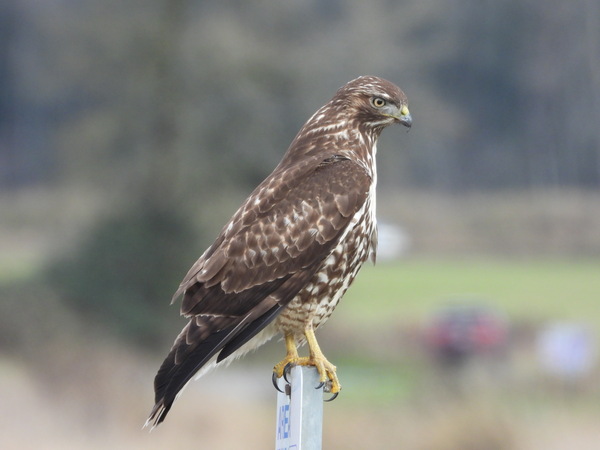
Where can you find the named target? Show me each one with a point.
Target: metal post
(299, 411)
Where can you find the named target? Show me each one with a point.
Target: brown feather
(299, 239)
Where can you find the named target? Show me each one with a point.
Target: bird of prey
(287, 256)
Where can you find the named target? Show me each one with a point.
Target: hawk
(287, 256)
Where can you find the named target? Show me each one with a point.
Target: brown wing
(269, 250)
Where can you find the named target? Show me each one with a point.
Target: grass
(531, 290)
(383, 401)
(16, 269)
(403, 295)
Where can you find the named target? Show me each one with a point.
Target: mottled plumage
(286, 257)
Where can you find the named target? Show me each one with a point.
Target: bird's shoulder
(289, 223)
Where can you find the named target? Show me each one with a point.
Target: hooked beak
(404, 117)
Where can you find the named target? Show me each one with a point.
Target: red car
(458, 332)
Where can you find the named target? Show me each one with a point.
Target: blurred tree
(481, 77)
(126, 270)
(131, 261)
(24, 158)
(230, 70)
(562, 94)
(151, 103)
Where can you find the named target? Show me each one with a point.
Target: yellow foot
(282, 367)
(327, 371)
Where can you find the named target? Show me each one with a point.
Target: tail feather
(187, 357)
(183, 361)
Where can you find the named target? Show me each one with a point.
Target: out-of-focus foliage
(504, 94)
(131, 130)
(168, 109)
(125, 272)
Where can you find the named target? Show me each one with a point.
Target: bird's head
(375, 102)
(351, 121)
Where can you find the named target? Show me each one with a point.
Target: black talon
(321, 384)
(286, 370)
(333, 397)
(274, 380)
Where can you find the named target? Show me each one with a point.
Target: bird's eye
(378, 102)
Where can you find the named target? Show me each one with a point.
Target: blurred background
(130, 132)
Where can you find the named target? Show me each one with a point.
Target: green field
(392, 391)
(524, 289)
(410, 290)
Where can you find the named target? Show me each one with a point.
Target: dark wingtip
(158, 414)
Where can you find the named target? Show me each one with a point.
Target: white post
(299, 411)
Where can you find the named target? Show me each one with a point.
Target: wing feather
(264, 256)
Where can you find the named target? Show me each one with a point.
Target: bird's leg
(317, 358)
(291, 356)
